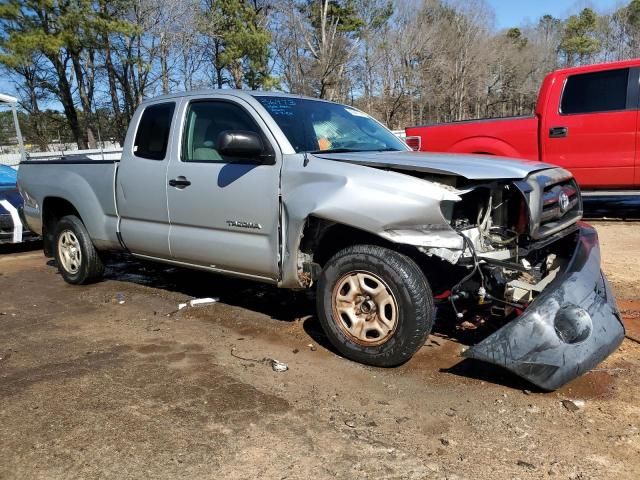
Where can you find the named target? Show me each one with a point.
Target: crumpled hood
(473, 167)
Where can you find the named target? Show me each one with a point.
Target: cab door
(141, 184)
(224, 212)
(593, 132)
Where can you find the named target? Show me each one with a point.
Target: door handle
(558, 132)
(180, 182)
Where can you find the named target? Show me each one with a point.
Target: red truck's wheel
(77, 258)
(375, 305)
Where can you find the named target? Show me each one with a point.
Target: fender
(486, 145)
(398, 207)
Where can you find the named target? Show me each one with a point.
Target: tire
(77, 259)
(399, 313)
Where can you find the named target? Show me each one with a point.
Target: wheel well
(53, 209)
(322, 239)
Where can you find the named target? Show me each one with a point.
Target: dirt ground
(94, 388)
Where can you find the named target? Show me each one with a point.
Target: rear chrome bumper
(568, 329)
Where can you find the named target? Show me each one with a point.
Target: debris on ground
(522, 463)
(573, 405)
(198, 301)
(350, 423)
(246, 359)
(276, 365)
(203, 301)
(118, 299)
(312, 347)
(279, 366)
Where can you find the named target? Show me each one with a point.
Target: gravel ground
(94, 388)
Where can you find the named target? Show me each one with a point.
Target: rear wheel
(77, 259)
(375, 305)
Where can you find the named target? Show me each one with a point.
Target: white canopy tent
(12, 102)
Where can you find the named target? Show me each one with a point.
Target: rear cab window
(152, 137)
(595, 92)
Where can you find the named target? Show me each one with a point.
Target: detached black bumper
(568, 329)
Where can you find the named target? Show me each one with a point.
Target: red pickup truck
(586, 120)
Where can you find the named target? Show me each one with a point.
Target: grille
(557, 201)
(554, 201)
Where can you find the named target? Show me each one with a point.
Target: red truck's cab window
(595, 92)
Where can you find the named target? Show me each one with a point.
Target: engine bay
(502, 268)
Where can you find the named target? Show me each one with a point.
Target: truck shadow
(290, 306)
(279, 304)
(614, 207)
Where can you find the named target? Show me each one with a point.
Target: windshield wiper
(336, 150)
(354, 150)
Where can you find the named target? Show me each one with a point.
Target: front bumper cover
(568, 329)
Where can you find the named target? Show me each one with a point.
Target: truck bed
(511, 136)
(82, 181)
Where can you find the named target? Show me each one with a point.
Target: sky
(512, 13)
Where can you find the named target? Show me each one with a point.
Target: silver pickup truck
(300, 192)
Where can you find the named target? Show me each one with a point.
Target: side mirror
(242, 144)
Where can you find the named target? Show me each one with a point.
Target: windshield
(317, 126)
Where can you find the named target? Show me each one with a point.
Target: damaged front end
(571, 325)
(528, 261)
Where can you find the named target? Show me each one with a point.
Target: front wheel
(375, 305)
(77, 258)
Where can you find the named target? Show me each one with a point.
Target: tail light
(414, 143)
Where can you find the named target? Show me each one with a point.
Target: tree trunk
(113, 92)
(85, 100)
(30, 77)
(164, 64)
(66, 98)
(237, 74)
(218, 66)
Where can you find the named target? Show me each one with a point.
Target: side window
(206, 120)
(595, 92)
(152, 136)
